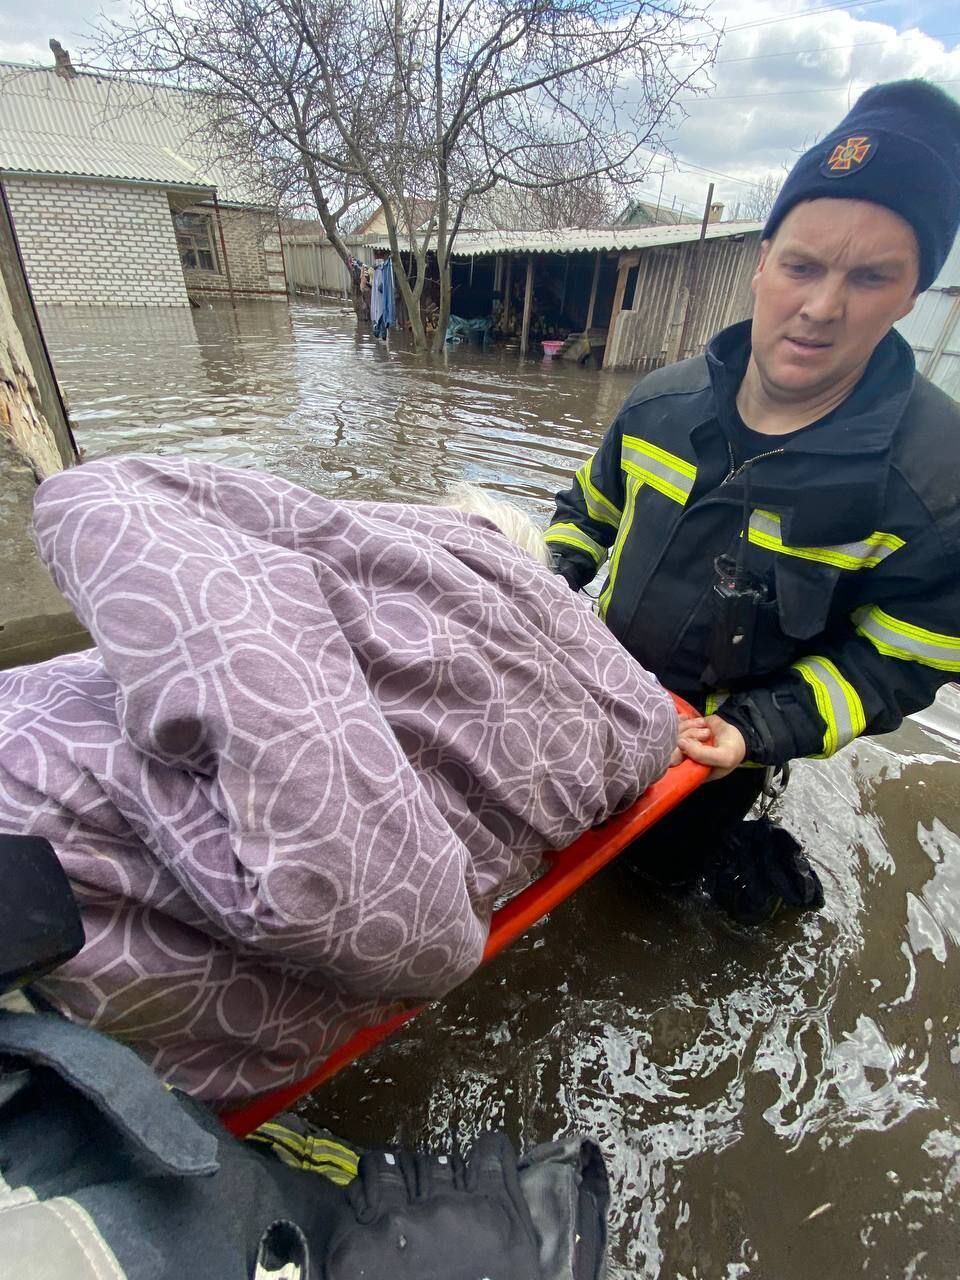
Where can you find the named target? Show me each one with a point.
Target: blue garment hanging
(383, 304)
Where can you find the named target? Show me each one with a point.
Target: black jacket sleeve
(884, 662)
(587, 516)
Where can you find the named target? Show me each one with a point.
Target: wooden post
(498, 273)
(283, 258)
(694, 276)
(563, 287)
(622, 273)
(508, 285)
(223, 247)
(527, 307)
(593, 291)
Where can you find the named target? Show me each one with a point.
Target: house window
(195, 241)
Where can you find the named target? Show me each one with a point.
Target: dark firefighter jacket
(854, 526)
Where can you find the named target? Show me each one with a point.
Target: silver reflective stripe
(55, 1238)
(837, 702)
(765, 531)
(10, 1197)
(672, 476)
(896, 639)
(570, 535)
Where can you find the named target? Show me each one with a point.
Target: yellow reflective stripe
(672, 476)
(571, 536)
(313, 1146)
(308, 1151)
(633, 488)
(866, 554)
(896, 639)
(837, 701)
(599, 507)
(715, 700)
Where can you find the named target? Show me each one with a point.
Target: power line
(782, 93)
(829, 48)
(714, 173)
(807, 13)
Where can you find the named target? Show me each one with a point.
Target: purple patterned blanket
(315, 741)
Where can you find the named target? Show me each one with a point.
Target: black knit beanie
(899, 146)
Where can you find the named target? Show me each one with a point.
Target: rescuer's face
(834, 278)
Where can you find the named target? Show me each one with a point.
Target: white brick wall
(97, 242)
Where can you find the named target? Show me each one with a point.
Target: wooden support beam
(563, 288)
(693, 280)
(593, 290)
(615, 310)
(527, 307)
(508, 285)
(621, 289)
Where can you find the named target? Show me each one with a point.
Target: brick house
(112, 204)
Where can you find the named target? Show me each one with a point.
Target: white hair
(512, 522)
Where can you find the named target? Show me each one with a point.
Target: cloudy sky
(778, 83)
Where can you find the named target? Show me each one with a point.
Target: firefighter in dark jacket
(781, 516)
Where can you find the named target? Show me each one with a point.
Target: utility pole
(693, 275)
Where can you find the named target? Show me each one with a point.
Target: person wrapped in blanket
(107, 1175)
(315, 741)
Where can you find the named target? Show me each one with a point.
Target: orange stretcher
(566, 872)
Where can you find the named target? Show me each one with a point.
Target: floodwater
(779, 1103)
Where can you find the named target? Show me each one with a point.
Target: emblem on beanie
(847, 157)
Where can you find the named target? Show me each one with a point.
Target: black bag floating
(761, 869)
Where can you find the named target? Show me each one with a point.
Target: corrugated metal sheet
(933, 327)
(949, 277)
(98, 127)
(314, 264)
(478, 244)
(923, 326)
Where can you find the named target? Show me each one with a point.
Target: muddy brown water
(781, 1103)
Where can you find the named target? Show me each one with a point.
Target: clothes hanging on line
(383, 306)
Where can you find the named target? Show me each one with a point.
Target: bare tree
(427, 103)
(759, 199)
(574, 202)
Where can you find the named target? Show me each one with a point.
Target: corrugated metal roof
(586, 240)
(100, 127)
(923, 325)
(949, 277)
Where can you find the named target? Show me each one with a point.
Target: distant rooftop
(645, 213)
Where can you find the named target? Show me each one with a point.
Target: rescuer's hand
(712, 741)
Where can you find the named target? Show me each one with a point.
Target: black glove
(430, 1217)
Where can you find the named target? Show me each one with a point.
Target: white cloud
(763, 110)
(25, 34)
(833, 57)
